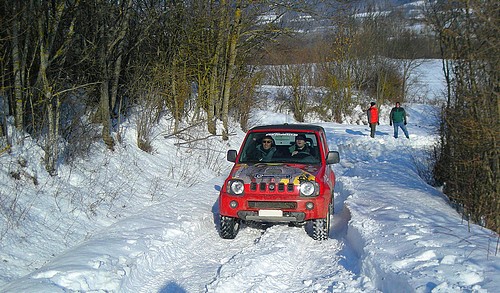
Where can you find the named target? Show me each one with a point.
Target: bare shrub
(243, 99)
(197, 149)
(79, 134)
(468, 158)
(146, 119)
(13, 210)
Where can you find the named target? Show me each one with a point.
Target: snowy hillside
(129, 221)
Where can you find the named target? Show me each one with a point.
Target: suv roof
(286, 127)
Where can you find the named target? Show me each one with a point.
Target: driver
(267, 150)
(300, 146)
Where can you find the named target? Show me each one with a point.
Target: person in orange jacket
(372, 113)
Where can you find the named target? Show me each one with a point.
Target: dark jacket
(264, 155)
(397, 115)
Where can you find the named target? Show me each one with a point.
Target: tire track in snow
(186, 258)
(190, 256)
(367, 266)
(284, 259)
(353, 249)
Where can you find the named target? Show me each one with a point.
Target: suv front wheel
(229, 227)
(321, 227)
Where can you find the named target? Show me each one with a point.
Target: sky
(130, 221)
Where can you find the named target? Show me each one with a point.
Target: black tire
(228, 227)
(331, 206)
(321, 227)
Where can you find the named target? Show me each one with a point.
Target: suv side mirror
(231, 155)
(333, 157)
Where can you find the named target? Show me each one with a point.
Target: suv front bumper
(294, 209)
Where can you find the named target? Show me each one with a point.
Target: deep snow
(128, 221)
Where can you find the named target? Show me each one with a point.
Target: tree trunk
(175, 95)
(51, 149)
(104, 105)
(214, 87)
(120, 51)
(4, 107)
(212, 96)
(235, 34)
(16, 63)
(105, 115)
(51, 142)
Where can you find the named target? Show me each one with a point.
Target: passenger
(300, 146)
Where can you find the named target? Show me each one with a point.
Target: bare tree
(468, 157)
(49, 52)
(232, 42)
(16, 63)
(112, 39)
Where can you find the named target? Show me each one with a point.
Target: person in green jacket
(397, 117)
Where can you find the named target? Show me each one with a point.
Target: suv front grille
(263, 186)
(272, 205)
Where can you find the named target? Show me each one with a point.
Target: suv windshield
(281, 147)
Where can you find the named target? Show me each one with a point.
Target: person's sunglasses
(267, 141)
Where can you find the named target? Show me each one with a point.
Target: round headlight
(237, 187)
(307, 188)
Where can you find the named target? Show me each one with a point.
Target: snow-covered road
(391, 231)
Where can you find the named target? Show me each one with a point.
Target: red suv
(281, 174)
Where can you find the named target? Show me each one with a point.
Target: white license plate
(271, 213)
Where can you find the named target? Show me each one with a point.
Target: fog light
(309, 206)
(233, 204)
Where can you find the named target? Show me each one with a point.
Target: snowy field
(128, 221)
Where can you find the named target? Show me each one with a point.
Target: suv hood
(279, 173)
